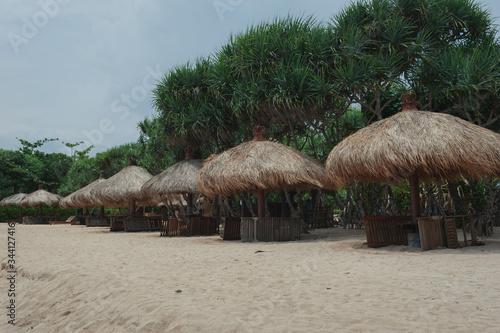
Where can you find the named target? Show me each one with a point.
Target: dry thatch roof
(261, 165)
(13, 200)
(67, 202)
(118, 189)
(84, 198)
(434, 145)
(180, 178)
(40, 197)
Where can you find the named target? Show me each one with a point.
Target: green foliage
(192, 108)
(12, 213)
(85, 170)
(29, 148)
(276, 66)
(464, 80)
(28, 167)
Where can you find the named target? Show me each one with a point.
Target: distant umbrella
(14, 200)
(175, 181)
(415, 145)
(40, 198)
(122, 188)
(67, 202)
(84, 198)
(258, 166)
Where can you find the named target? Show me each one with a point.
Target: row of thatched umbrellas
(38, 198)
(414, 145)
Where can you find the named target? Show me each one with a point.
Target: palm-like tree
(465, 80)
(274, 65)
(192, 110)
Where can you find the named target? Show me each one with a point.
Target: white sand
(78, 279)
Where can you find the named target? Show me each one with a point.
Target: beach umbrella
(67, 202)
(82, 198)
(123, 188)
(40, 198)
(175, 181)
(14, 200)
(258, 166)
(415, 145)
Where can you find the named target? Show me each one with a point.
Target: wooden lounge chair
(68, 221)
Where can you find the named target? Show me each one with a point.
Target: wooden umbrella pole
(414, 197)
(260, 135)
(131, 206)
(41, 205)
(261, 203)
(190, 204)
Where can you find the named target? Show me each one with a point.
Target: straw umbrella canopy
(415, 145)
(40, 198)
(82, 197)
(175, 181)
(123, 188)
(258, 166)
(67, 202)
(14, 200)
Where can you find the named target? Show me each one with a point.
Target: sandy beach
(78, 279)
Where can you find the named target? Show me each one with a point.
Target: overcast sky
(84, 70)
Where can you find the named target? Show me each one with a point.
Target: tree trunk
(486, 220)
(455, 197)
(433, 207)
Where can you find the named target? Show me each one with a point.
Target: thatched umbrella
(40, 198)
(14, 200)
(123, 188)
(67, 202)
(82, 198)
(415, 145)
(175, 181)
(258, 166)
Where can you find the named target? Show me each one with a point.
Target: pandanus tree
(192, 111)
(375, 43)
(465, 80)
(277, 67)
(382, 46)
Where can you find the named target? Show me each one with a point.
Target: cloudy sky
(84, 70)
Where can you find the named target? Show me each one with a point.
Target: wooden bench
(231, 228)
(189, 226)
(91, 221)
(269, 229)
(143, 223)
(432, 232)
(320, 218)
(387, 230)
(117, 223)
(36, 220)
